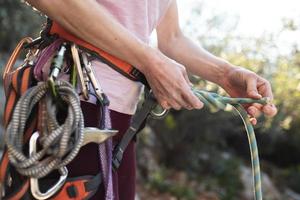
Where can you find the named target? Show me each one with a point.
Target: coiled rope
(218, 102)
(59, 143)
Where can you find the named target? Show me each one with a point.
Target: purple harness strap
(105, 154)
(44, 57)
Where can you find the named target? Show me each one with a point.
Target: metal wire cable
(59, 143)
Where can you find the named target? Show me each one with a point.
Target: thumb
(252, 88)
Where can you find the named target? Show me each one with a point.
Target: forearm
(91, 22)
(197, 60)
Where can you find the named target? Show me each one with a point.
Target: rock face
(270, 192)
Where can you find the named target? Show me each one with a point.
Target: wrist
(149, 59)
(225, 69)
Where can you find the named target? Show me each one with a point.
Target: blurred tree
(17, 20)
(201, 142)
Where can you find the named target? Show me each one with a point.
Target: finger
(270, 110)
(186, 77)
(253, 111)
(189, 107)
(164, 104)
(192, 100)
(252, 88)
(265, 89)
(186, 97)
(174, 105)
(253, 121)
(176, 100)
(258, 107)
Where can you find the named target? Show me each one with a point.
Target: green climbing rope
(217, 102)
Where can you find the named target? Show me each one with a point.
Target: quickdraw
(21, 88)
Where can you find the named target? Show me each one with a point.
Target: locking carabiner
(56, 67)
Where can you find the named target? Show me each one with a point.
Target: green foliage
(159, 181)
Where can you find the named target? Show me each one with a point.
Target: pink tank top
(140, 17)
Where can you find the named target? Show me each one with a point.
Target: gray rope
(59, 143)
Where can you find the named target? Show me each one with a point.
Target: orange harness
(18, 81)
(117, 64)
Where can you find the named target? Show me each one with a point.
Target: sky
(255, 17)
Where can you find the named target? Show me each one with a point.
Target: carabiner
(159, 115)
(56, 67)
(93, 80)
(77, 63)
(34, 183)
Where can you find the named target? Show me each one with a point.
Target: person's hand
(240, 82)
(170, 84)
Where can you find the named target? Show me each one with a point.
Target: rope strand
(217, 102)
(59, 143)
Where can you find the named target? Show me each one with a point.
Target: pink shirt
(140, 17)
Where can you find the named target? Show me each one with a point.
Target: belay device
(44, 117)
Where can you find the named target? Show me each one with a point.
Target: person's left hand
(240, 82)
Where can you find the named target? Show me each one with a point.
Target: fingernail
(256, 95)
(199, 105)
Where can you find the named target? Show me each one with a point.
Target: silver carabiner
(93, 80)
(34, 183)
(159, 115)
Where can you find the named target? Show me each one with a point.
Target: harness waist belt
(119, 65)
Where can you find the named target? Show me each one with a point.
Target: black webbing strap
(138, 119)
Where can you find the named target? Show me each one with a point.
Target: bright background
(204, 155)
(254, 18)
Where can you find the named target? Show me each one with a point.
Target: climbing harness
(39, 142)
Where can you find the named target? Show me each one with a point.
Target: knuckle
(177, 107)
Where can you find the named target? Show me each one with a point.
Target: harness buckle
(34, 183)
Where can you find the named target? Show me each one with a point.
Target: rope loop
(60, 139)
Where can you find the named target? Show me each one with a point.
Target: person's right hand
(170, 83)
